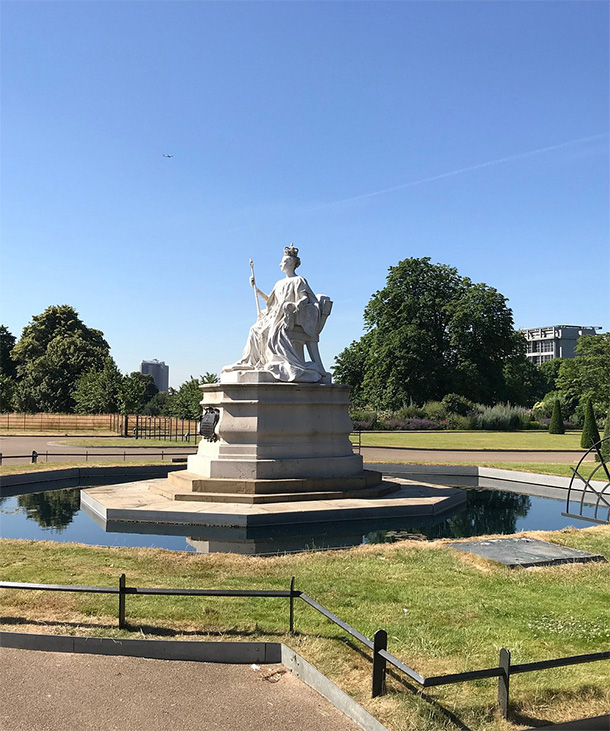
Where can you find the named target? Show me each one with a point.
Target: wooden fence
(58, 422)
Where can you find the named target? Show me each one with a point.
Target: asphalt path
(55, 691)
(48, 448)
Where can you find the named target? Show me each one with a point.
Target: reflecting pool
(56, 515)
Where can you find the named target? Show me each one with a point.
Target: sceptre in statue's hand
(254, 287)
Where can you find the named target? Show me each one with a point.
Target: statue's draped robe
(269, 347)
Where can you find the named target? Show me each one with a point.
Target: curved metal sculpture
(590, 493)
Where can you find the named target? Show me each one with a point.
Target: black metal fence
(378, 646)
(35, 457)
(141, 426)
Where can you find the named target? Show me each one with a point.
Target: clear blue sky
(475, 133)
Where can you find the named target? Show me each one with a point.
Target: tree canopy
(430, 332)
(587, 375)
(54, 350)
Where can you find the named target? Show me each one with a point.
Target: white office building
(555, 341)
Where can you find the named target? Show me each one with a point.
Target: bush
(456, 404)
(389, 422)
(410, 412)
(420, 425)
(590, 432)
(435, 411)
(364, 419)
(455, 421)
(556, 425)
(501, 417)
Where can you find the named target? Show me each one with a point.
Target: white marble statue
(292, 321)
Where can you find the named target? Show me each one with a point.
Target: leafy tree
(159, 404)
(587, 375)
(209, 377)
(350, 368)
(135, 392)
(525, 383)
(7, 394)
(8, 367)
(550, 372)
(54, 350)
(97, 391)
(556, 424)
(590, 432)
(187, 399)
(8, 370)
(430, 332)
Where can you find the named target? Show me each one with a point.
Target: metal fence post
(0, 458)
(504, 681)
(122, 601)
(380, 642)
(34, 457)
(292, 605)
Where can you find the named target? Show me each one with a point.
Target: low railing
(35, 457)
(378, 646)
(589, 492)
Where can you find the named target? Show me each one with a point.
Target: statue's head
(292, 253)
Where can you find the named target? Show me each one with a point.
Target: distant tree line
(59, 365)
(433, 336)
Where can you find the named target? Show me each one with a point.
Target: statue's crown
(291, 250)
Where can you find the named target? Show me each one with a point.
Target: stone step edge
(287, 497)
(368, 478)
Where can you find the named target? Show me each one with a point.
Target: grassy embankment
(444, 611)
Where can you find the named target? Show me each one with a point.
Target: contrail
(479, 166)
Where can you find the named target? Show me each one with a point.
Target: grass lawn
(444, 612)
(130, 443)
(17, 469)
(537, 440)
(546, 468)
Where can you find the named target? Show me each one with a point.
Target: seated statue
(291, 322)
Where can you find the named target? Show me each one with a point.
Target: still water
(56, 515)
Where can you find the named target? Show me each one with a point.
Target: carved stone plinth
(276, 439)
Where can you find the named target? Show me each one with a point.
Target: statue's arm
(259, 292)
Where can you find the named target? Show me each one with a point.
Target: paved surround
(135, 502)
(195, 653)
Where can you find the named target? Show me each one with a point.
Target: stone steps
(191, 482)
(173, 492)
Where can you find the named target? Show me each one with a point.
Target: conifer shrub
(606, 445)
(590, 432)
(556, 425)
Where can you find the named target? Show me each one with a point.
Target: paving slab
(91, 692)
(524, 552)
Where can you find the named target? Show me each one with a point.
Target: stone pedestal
(276, 439)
